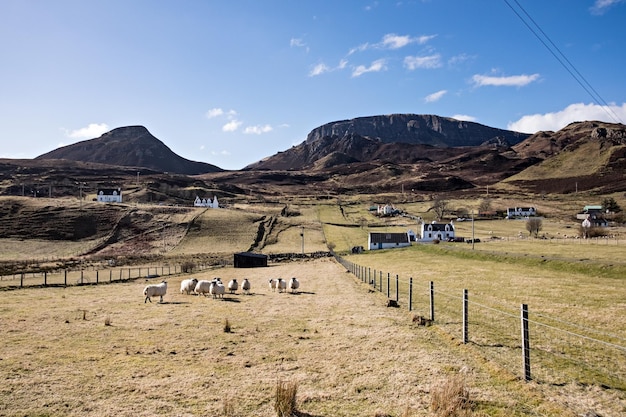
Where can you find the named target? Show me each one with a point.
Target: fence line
(481, 328)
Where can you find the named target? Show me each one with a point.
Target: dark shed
(250, 260)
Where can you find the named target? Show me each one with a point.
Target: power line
(562, 59)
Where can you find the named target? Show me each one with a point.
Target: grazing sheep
(245, 286)
(202, 287)
(154, 290)
(272, 284)
(233, 285)
(187, 286)
(281, 284)
(217, 289)
(294, 284)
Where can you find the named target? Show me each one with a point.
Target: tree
(484, 206)
(534, 225)
(610, 205)
(440, 207)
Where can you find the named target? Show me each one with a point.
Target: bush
(285, 404)
(451, 399)
(187, 267)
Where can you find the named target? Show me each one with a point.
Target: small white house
(437, 231)
(206, 202)
(387, 240)
(109, 195)
(513, 212)
(385, 210)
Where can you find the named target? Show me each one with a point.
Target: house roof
(437, 227)
(389, 237)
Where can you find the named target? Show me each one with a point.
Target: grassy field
(100, 350)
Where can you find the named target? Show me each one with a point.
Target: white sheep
(281, 284)
(294, 284)
(202, 287)
(245, 286)
(187, 286)
(154, 290)
(272, 283)
(233, 285)
(217, 289)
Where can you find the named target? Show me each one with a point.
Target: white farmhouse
(387, 240)
(437, 231)
(109, 195)
(206, 202)
(514, 212)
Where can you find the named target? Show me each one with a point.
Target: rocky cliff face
(130, 146)
(416, 129)
(401, 138)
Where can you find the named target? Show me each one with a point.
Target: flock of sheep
(216, 288)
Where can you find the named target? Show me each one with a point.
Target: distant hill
(400, 138)
(131, 146)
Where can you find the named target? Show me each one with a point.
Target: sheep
(202, 287)
(233, 285)
(187, 286)
(272, 283)
(217, 289)
(281, 284)
(294, 284)
(154, 290)
(245, 286)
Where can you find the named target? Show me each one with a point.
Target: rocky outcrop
(130, 146)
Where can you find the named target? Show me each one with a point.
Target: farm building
(437, 231)
(387, 240)
(250, 260)
(513, 212)
(109, 195)
(206, 202)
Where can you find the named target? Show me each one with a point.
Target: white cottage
(437, 231)
(387, 240)
(109, 195)
(513, 212)
(206, 202)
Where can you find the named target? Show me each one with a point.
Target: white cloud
(576, 112)
(601, 6)
(297, 42)
(376, 66)
(257, 130)
(464, 117)
(319, 69)
(435, 96)
(510, 81)
(231, 126)
(220, 153)
(93, 130)
(429, 62)
(392, 41)
(214, 113)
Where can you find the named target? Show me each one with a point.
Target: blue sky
(231, 82)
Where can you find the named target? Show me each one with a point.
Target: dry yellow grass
(100, 351)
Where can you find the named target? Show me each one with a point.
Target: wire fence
(534, 346)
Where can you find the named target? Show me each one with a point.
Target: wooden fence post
(65, 277)
(465, 318)
(411, 294)
(110, 275)
(432, 301)
(45, 278)
(397, 288)
(97, 276)
(380, 286)
(21, 279)
(388, 285)
(525, 342)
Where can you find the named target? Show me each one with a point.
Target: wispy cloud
(601, 6)
(257, 130)
(464, 117)
(231, 126)
(322, 68)
(297, 42)
(376, 66)
(435, 96)
(554, 121)
(214, 113)
(93, 130)
(428, 62)
(510, 81)
(392, 41)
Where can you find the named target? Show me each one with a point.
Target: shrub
(187, 266)
(451, 399)
(227, 328)
(285, 403)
